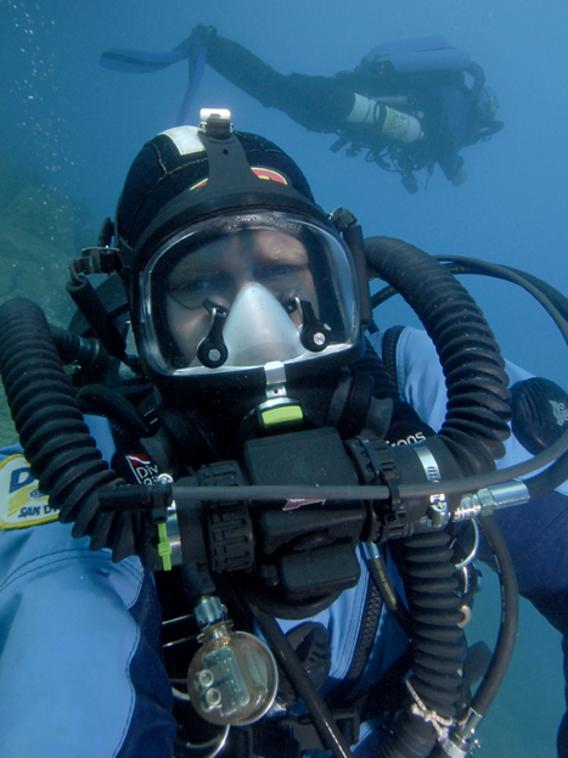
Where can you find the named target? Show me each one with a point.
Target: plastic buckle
(216, 122)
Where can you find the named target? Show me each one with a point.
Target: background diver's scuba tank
(388, 122)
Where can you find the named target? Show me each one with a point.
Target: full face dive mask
(231, 265)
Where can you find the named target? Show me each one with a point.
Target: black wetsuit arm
(318, 103)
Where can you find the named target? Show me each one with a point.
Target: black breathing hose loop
(432, 588)
(478, 411)
(437, 643)
(56, 441)
(509, 613)
(464, 732)
(474, 430)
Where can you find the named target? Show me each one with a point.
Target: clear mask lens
(244, 290)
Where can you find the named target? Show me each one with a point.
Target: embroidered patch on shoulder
(21, 503)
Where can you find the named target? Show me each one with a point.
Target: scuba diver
(408, 105)
(245, 522)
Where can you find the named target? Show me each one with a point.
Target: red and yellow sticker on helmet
(268, 174)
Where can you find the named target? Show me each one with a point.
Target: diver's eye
(191, 291)
(279, 272)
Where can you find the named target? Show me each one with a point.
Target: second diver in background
(407, 106)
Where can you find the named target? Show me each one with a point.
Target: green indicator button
(164, 548)
(283, 415)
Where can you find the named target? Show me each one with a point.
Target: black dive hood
(230, 183)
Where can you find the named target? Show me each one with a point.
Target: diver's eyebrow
(202, 267)
(294, 248)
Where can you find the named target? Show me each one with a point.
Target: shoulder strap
(389, 345)
(406, 427)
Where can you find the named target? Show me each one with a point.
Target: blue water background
(77, 126)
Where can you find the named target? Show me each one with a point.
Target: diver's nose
(258, 329)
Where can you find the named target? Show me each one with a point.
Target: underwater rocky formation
(41, 230)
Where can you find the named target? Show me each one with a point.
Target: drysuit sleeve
(318, 103)
(536, 533)
(80, 670)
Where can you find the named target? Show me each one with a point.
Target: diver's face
(214, 275)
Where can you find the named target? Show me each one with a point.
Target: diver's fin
(138, 61)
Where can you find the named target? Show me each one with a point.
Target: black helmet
(230, 264)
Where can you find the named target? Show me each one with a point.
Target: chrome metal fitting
(488, 499)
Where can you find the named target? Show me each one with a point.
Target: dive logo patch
(560, 411)
(21, 503)
(144, 470)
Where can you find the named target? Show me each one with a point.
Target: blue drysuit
(80, 673)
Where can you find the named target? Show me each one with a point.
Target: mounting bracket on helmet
(216, 122)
